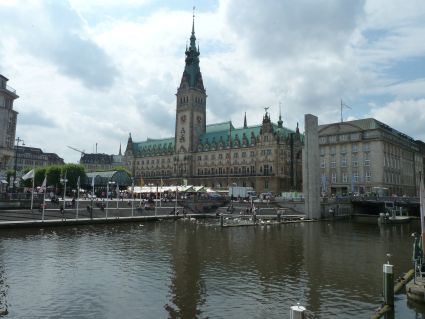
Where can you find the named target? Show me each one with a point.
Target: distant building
(8, 118)
(101, 162)
(33, 157)
(265, 156)
(368, 156)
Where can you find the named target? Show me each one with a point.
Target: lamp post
(64, 180)
(110, 183)
(18, 140)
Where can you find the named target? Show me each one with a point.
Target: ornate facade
(8, 117)
(265, 156)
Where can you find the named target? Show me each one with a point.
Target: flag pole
(175, 205)
(44, 196)
(132, 197)
(32, 192)
(78, 196)
(118, 195)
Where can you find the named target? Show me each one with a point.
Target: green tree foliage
(73, 171)
(40, 173)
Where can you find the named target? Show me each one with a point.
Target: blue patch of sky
(407, 70)
(374, 35)
(360, 106)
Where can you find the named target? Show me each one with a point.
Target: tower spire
(193, 22)
(119, 153)
(280, 122)
(244, 122)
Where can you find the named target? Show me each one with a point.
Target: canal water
(188, 269)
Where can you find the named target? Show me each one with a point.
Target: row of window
(344, 162)
(365, 147)
(346, 178)
(340, 138)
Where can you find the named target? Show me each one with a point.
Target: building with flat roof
(33, 157)
(368, 156)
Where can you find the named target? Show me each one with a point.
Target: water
(192, 270)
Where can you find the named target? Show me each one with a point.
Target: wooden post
(221, 220)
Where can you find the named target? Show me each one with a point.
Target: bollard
(278, 216)
(388, 284)
(297, 312)
(221, 220)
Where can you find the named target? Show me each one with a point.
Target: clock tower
(190, 109)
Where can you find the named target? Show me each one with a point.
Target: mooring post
(221, 220)
(297, 312)
(278, 216)
(388, 284)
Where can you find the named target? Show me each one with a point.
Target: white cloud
(407, 116)
(97, 75)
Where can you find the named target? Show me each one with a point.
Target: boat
(393, 215)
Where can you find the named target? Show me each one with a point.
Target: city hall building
(266, 156)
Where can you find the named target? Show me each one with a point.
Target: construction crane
(77, 150)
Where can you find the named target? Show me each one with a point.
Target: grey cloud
(279, 28)
(55, 34)
(35, 119)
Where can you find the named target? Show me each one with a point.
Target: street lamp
(18, 140)
(64, 180)
(107, 196)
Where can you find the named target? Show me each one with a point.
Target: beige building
(367, 156)
(266, 156)
(8, 118)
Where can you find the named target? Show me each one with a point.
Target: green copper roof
(219, 133)
(152, 147)
(192, 72)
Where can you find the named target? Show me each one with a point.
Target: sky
(91, 72)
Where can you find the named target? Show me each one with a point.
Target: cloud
(406, 116)
(99, 73)
(56, 34)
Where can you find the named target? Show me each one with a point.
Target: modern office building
(266, 156)
(368, 156)
(8, 117)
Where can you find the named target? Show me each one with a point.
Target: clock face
(183, 118)
(199, 119)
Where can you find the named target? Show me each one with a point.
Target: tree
(53, 176)
(40, 173)
(73, 171)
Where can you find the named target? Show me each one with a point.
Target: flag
(92, 181)
(185, 182)
(44, 183)
(78, 182)
(28, 175)
(162, 182)
(142, 182)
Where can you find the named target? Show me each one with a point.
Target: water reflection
(191, 270)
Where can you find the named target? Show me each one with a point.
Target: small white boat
(393, 215)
